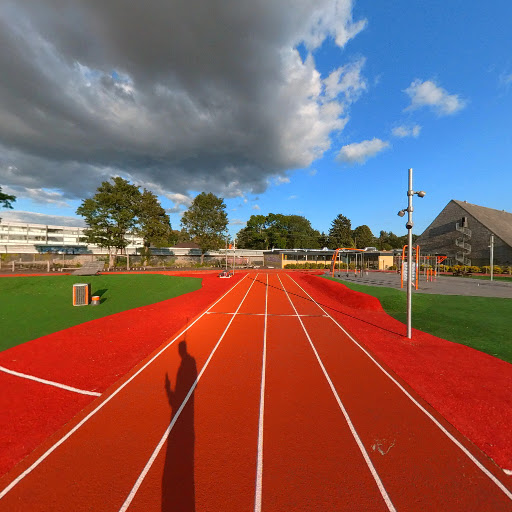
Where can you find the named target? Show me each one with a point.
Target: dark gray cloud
(178, 96)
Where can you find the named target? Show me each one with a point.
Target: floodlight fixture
(401, 213)
(421, 193)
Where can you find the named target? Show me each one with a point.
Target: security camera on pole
(409, 224)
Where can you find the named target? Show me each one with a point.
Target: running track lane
(310, 458)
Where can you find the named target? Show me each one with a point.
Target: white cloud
(428, 94)
(292, 197)
(38, 195)
(237, 222)
(40, 218)
(359, 152)
(180, 201)
(280, 180)
(256, 207)
(505, 80)
(407, 131)
(313, 172)
(346, 80)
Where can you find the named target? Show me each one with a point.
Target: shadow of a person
(178, 488)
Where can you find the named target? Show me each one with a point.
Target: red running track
(268, 406)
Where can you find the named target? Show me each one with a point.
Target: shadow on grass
(100, 294)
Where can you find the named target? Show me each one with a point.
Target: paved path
(443, 285)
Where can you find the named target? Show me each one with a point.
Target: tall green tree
(6, 200)
(119, 208)
(363, 237)
(254, 235)
(206, 221)
(154, 225)
(340, 234)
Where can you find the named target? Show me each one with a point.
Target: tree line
(294, 232)
(120, 208)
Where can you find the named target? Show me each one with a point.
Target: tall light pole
(491, 245)
(409, 224)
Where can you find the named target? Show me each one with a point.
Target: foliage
(279, 231)
(307, 265)
(154, 225)
(6, 200)
(206, 221)
(119, 208)
(340, 233)
(363, 237)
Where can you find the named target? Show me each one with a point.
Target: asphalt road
(443, 285)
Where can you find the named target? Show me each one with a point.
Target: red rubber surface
(90, 356)
(311, 460)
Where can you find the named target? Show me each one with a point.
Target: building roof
(498, 222)
(187, 245)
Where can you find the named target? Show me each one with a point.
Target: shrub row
(486, 269)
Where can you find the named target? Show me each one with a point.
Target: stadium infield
(301, 388)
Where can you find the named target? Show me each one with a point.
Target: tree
(340, 234)
(254, 235)
(363, 237)
(6, 200)
(206, 221)
(300, 233)
(154, 224)
(119, 208)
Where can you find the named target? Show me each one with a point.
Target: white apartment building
(18, 237)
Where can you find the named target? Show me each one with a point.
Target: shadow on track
(178, 487)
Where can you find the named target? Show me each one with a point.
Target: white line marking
(507, 472)
(366, 457)
(259, 464)
(156, 451)
(49, 382)
(260, 314)
(107, 399)
(413, 400)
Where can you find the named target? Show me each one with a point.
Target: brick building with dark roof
(462, 232)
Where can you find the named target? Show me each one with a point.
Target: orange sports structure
(335, 256)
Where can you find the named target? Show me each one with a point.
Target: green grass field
(35, 306)
(483, 323)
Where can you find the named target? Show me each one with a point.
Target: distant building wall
(440, 236)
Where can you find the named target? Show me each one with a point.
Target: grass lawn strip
(36, 306)
(482, 323)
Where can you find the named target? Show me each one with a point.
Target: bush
(474, 269)
(497, 269)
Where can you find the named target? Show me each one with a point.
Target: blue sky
(421, 85)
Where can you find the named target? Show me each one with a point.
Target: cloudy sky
(311, 107)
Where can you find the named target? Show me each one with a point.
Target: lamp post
(409, 224)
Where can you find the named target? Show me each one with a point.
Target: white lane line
(414, 401)
(49, 382)
(259, 464)
(360, 444)
(261, 314)
(156, 451)
(107, 399)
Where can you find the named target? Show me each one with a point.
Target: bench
(89, 269)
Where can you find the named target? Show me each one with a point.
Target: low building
(65, 245)
(462, 232)
(371, 259)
